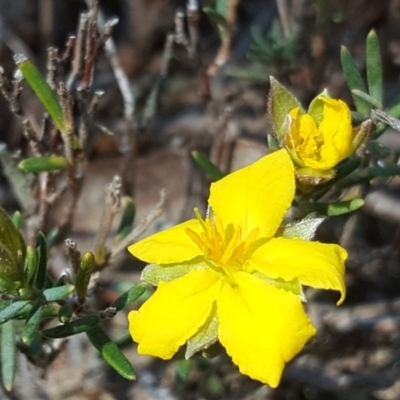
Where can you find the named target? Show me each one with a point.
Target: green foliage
(42, 90)
(40, 164)
(111, 353)
(274, 49)
(205, 164)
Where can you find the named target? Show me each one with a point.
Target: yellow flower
(227, 278)
(321, 138)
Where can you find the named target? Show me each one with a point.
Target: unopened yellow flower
(323, 137)
(228, 274)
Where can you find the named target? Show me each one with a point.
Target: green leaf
(30, 264)
(280, 103)
(12, 310)
(129, 297)
(73, 328)
(219, 20)
(110, 352)
(86, 267)
(58, 293)
(128, 218)
(212, 171)
(366, 97)
(40, 164)
(374, 68)
(305, 229)
(8, 355)
(344, 207)
(41, 251)
(366, 174)
(354, 80)
(221, 6)
(31, 326)
(42, 90)
(12, 249)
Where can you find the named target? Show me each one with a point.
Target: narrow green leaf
(128, 217)
(30, 264)
(354, 80)
(344, 207)
(58, 293)
(72, 328)
(129, 296)
(41, 88)
(221, 7)
(366, 97)
(83, 275)
(31, 326)
(366, 174)
(110, 352)
(8, 355)
(212, 171)
(41, 271)
(40, 164)
(12, 310)
(280, 103)
(374, 67)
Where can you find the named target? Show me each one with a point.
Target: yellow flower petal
(256, 196)
(261, 327)
(174, 313)
(170, 246)
(314, 264)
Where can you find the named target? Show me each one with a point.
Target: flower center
(223, 247)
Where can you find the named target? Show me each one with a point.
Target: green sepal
(42, 90)
(128, 218)
(129, 297)
(293, 286)
(42, 254)
(57, 293)
(72, 328)
(85, 270)
(316, 107)
(111, 353)
(12, 310)
(343, 169)
(354, 80)
(206, 165)
(8, 354)
(41, 164)
(280, 103)
(205, 336)
(304, 229)
(154, 273)
(32, 324)
(374, 68)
